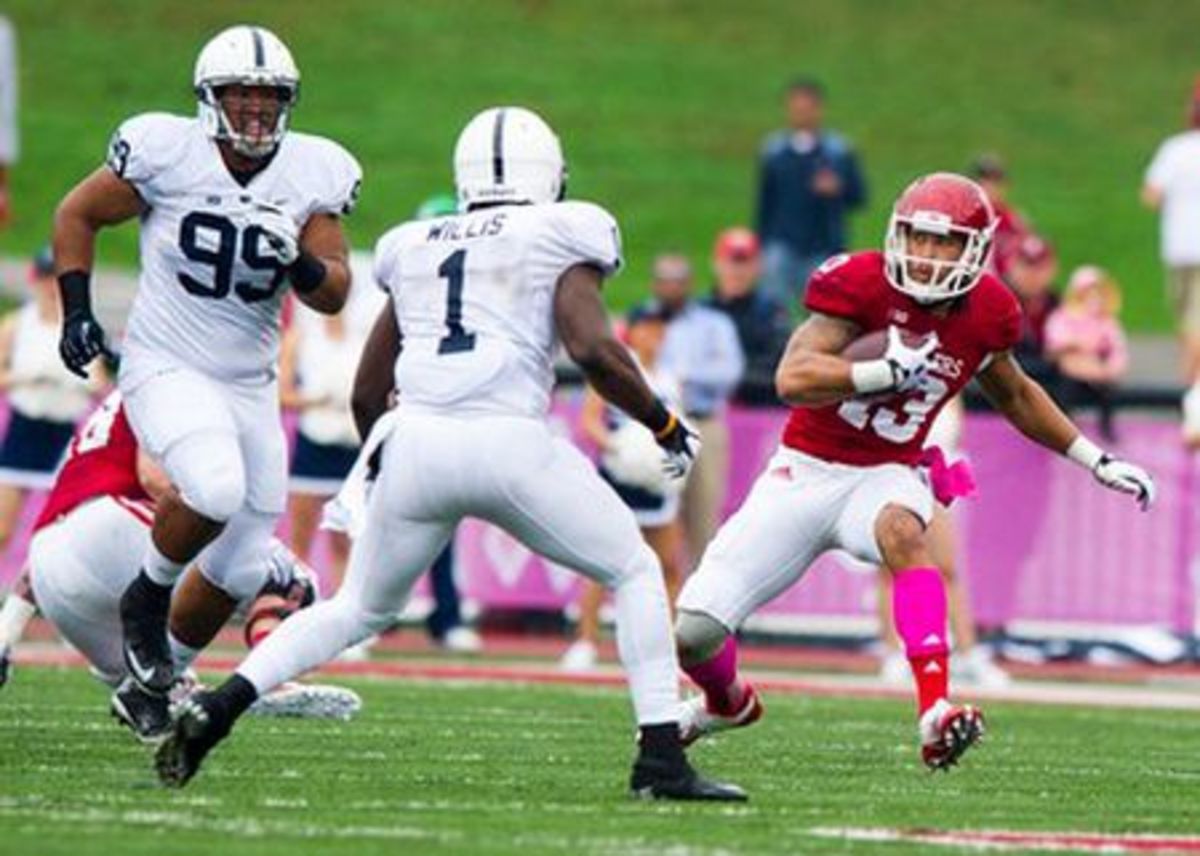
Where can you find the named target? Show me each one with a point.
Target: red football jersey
(101, 461)
(892, 428)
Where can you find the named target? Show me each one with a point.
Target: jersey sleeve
(583, 233)
(1002, 317)
(340, 180)
(142, 149)
(385, 263)
(833, 290)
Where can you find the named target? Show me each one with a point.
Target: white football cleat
(977, 668)
(894, 669)
(947, 731)
(582, 656)
(308, 701)
(696, 720)
(461, 640)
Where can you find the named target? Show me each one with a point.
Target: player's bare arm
(583, 326)
(810, 372)
(1025, 404)
(582, 323)
(102, 199)
(323, 254)
(374, 379)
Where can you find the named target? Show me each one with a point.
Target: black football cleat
(195, 730)
(5, 669)
(144, 606)
(656, 778)
(145, 714)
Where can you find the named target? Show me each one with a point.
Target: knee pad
(208, 471)
(698, 636)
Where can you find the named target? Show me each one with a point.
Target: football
(873, 345)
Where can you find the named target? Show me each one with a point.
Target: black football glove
(82, 338)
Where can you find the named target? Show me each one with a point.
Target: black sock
(661, 741)
(149, 589)
(231, 700)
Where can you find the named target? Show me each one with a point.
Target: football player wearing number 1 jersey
(233, 206)
(478, 303)
(845, 476)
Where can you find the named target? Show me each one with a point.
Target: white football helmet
(507, 155)
(250, 56)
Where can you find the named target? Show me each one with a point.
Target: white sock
(308, 639)
(182, 655)
(647, 646)
(14, 617)
(159, 568)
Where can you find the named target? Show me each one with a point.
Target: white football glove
(1127, 478)
(910, 366)
(279, 231)
(681, 445)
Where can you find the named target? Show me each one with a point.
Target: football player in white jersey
(480, 300)
(233, 208)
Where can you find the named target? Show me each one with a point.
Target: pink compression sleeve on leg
(717, 677)
(919, 608)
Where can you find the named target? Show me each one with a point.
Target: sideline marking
(994, 839)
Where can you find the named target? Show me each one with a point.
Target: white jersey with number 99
(474, 300)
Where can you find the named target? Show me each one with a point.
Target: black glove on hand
(82, 336)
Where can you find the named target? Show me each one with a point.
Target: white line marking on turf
(996, 839)
(243, 827)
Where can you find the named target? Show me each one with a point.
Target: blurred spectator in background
(1032, 269)
(631, 461)
(989, 170)
(702, 352)
(1085, 340)
(1172, 187)
(8, 114)
(317, 362)
(45, 398)
(808, 180)
(761, 320)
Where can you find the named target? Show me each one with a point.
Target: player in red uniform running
(95, 519)
(846, 474)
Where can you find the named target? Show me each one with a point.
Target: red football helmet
(941, 203)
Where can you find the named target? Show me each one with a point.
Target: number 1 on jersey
(458, 339)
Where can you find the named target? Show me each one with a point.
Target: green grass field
(445, 768)
(661, 103)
